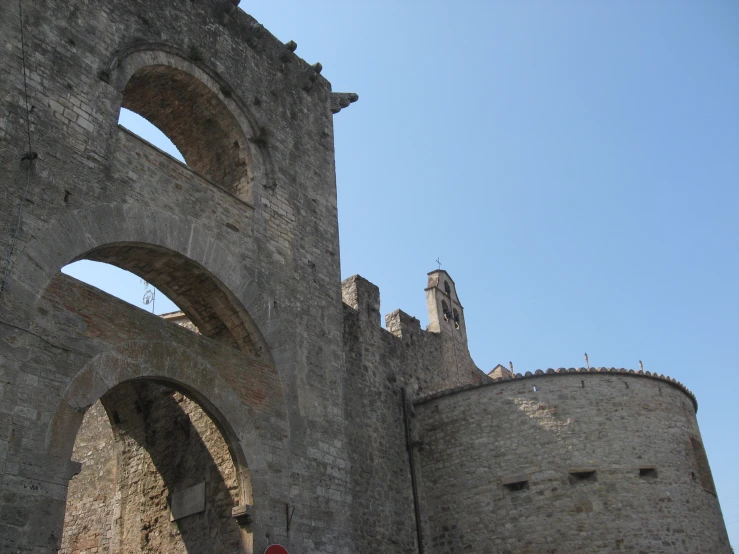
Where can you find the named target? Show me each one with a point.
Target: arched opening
(162, 470)
(156, 476)
(122, 284)
(205, 301)
(196, 120)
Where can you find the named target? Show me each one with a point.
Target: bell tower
(446, 314)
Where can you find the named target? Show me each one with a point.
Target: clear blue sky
(575, 166)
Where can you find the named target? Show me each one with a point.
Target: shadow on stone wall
(161, 443)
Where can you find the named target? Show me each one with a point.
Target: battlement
(444, 309)
(358, 293)
(565, 371)
(429, 359)
(363, 297)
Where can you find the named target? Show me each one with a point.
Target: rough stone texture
(259, 256)
(612, 424)
(89, 520)
(306, 391)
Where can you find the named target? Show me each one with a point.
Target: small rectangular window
(517, 486)
(648, 472)
(582, 475)
(516, 482)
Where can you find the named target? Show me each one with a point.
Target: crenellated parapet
(402, 324)
(358, 293)
(446, 323)
(431, 359)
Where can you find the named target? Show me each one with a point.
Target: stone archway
(228, 372)
(103, 233)
(165, 363)
(182, 243)
(210, 306)
(198, 111)
(156, 476)
(157, 364)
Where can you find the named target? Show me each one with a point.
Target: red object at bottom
(276, 549)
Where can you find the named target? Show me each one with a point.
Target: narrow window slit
(516, 482)
(648, 472)
(701, 463)
(517, 486)
(582, 476)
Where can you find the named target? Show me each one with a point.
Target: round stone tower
(598, 460)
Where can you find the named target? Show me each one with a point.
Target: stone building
(293, 417)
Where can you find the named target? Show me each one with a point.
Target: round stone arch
(177, 368)
(198, 111)
(103, 232)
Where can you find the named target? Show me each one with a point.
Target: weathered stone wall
(101, 330)
(380, 363)
(251, 254)
(90, 518)
(509, 469)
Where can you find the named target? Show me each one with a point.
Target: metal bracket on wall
(288, 516)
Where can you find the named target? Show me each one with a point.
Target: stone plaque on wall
(187, 502)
